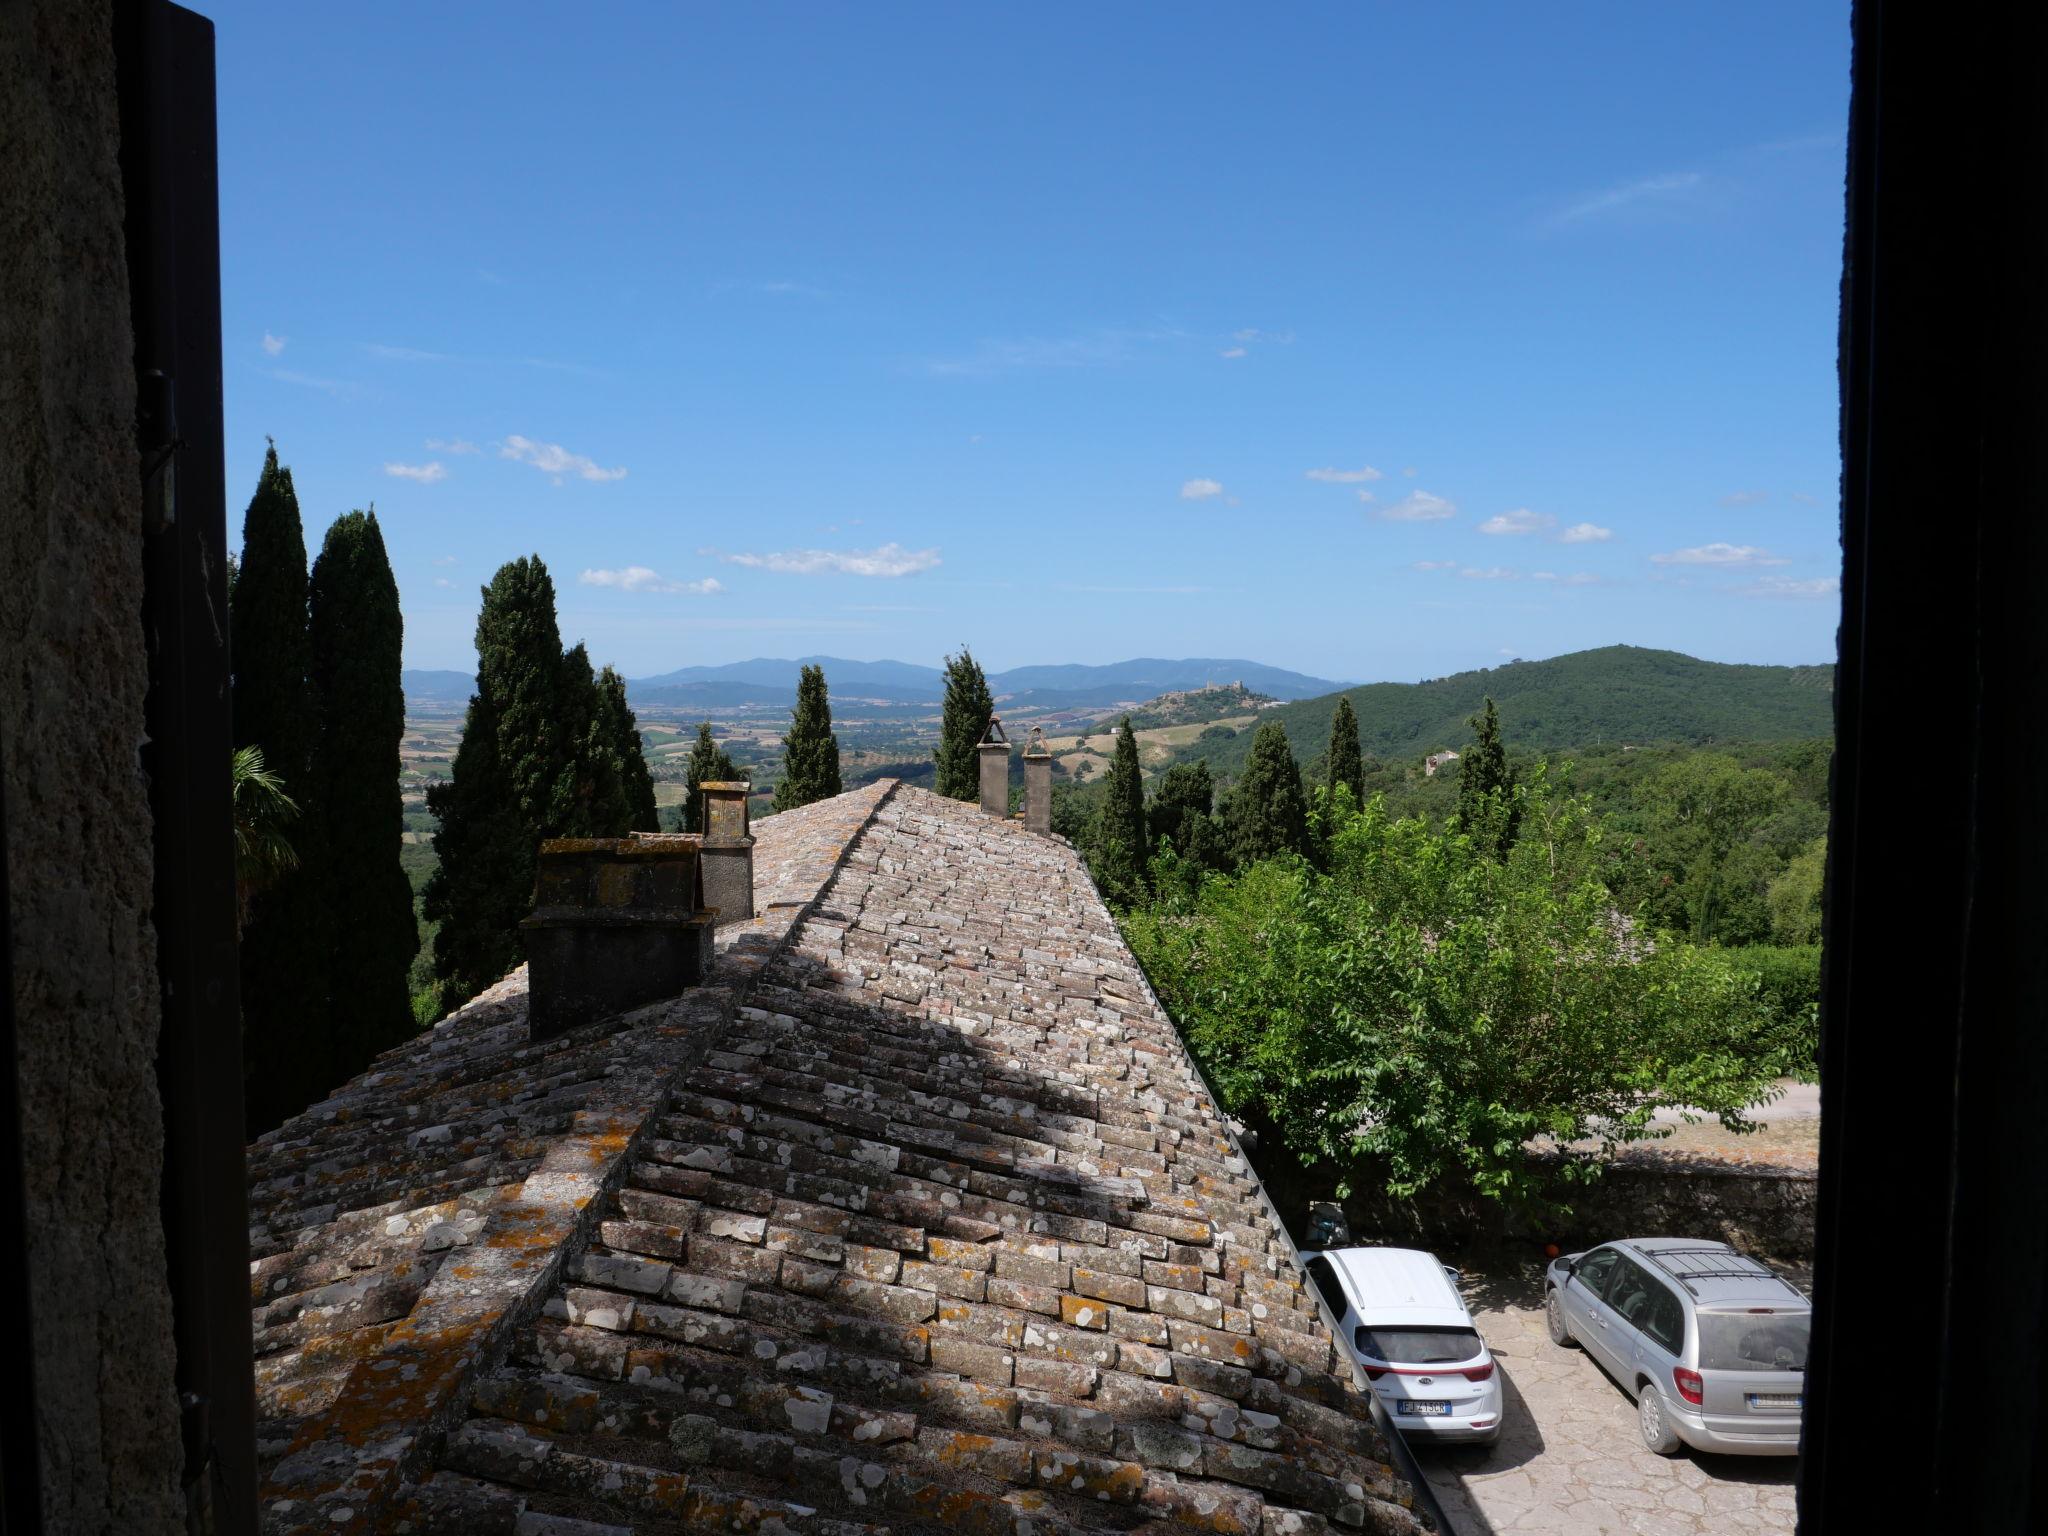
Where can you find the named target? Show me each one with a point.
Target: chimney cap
(995, 735)
(1034, 745)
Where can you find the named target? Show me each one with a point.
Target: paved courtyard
(1568, 1458)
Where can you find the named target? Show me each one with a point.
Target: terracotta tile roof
(918, 1218)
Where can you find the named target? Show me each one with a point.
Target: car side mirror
(1571, 1266)
(1456, 1277)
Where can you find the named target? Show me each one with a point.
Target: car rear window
(1418, 1346)
(1754, 1341)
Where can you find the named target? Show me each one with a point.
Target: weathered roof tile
(924, 1221)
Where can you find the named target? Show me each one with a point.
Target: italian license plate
(1767, 1400)
(1426, 1410)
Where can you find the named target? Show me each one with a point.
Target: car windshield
(1418, 1346)
(1754, 1341)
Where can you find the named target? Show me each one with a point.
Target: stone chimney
(1037, 783)
(728, 850)
(616, 924)
(995, 768)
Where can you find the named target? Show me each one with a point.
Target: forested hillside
(1618, 694)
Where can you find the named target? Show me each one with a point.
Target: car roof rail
(1687, 1265)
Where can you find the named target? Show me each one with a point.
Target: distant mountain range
(1620, 694)
(772, 681)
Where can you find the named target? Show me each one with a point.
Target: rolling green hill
(1619, 694)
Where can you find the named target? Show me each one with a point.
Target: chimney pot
(728, 848)
(994, 753)
(1037, 783)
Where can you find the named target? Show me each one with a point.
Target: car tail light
(1480, 1372)
(1375, 1372)
(1688, 1384)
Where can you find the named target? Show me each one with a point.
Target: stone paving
(1569, 1459)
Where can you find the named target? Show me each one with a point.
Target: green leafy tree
(1117, 846)
(1795, 896)
(1345, 762)
(810, 752)
(1487, 808)
(963, 722)
(1182, 813)
(1268, 811)
(623, 789)
(284, 978)
(708, 765)
(516, 780)
(1703, 817)
(263, 853)
(1433, 1007)
(357, 642)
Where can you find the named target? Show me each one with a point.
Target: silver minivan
(1709, 1342)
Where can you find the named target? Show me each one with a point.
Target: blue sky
(1376, 341)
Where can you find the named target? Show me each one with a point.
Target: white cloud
(1232, 352)
(554, 459)
(339, 388)
(1664, 187)
(1200, 490)
(446, 560)
(888, 560)
(1139, 591)
(1585, 533)
(1489, 573)
(1367, 497)
(1436, 565)
(638, 578)
(1409, 471)
(1252, 333)
(443, 581)
(1803, 499)
(1785, 586)
(426, 474)
(1418, 507)
(1732, 557)
(451, 445)
(1508, 651)
(1360, 476)
(1543, 575)
(1096, 349)
(404, 354)
(274, 344)
(1520, 520)
(1744, 498)
(1581, 579)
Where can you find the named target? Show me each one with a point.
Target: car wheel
(1654, 1423)
(1554, 1319)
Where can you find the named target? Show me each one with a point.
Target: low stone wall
(1762, 1210)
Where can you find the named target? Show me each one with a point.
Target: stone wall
(1764, 1210)
(72, 679)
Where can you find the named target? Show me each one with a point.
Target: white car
(1399, 1312)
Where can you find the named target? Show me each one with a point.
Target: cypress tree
(1346, 761)
(810, 752)
(284, 982)
(480, 887)
(624, 786)
(590, 800)
(1118, 856)
(521, 669)
(357, 638)
(708, 765)
(1182, 813)
(962, 725)
(1269, 813)
(1487, 808)
(516, 780)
